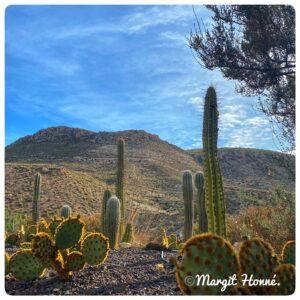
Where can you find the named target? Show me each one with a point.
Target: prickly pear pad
(257, 258)
(205, 254)
(68, 233)
(23, 265)
(42, 246)
(54, 224)
(285, 275)
(43, 226)
(288, 253)
(75, 261)
(95, 248)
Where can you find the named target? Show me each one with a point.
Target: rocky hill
(78, 165)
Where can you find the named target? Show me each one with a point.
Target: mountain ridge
(85, 162)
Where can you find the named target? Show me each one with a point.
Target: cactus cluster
(211, 254)
(288, 253)
(65, 248)
(171, 242)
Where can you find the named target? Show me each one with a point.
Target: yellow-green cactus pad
(288, 253)
(43, 226)
(30, 231)
(75, 261)
(205, 255)
(23, 265)
(53, 224)
(6, 263)
(285, 276)
(13, 239)
(26, 245)
(95, 248)
(172, 241)
(257, 258)
(42, 246)
(68, 233)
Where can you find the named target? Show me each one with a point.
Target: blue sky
(108, 68)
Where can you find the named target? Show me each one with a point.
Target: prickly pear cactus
(30, 231)
(54, 224)
(7, 258)
(42, 246)
(23, 265)
(43, 226)
(205, 254)
(59, 266)
(257, 258)
(288, 253)
(95, 248)
(164, 239)
(13, 239)
(26, 245)
(75, 261)
(68, 233)
(285, 276)
(66, 211)
(172, 241)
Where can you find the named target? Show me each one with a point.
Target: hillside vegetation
(78, 165)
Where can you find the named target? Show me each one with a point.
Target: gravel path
(126, 272)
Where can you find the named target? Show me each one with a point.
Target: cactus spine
(36, 199)
(214, 196)
(120, 182)
(112, 221)
(187, 190)
(202, 218)
(66, 211)
(106, 196)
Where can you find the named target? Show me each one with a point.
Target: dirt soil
(126, 272)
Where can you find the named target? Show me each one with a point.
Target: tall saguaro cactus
(202, 218)
(112, 221)
(187, 190)
(214, 196)
(36, 199)
(106, 196)
(120, 181)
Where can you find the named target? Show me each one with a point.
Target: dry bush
(273, 224)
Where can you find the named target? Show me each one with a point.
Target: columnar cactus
(214, 196)
(120, 182)
(106, 196)
(112, 221)
(66, 211)
(202, 218)
(128, 234)
(36, 199)
(187, 190)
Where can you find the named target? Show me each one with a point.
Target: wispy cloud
(114, 68)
